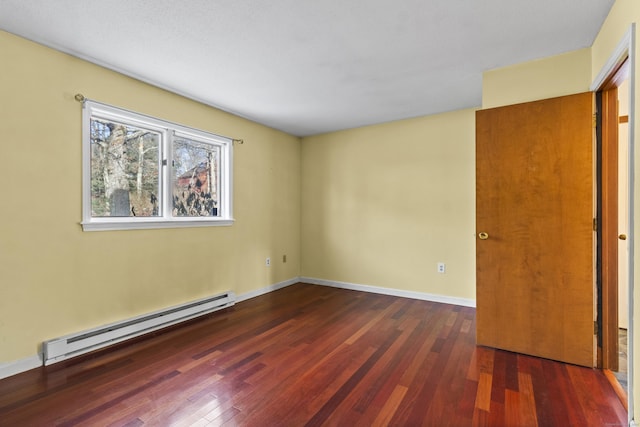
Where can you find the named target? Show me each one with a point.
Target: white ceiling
(308, 67)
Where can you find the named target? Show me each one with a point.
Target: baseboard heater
(62, 348)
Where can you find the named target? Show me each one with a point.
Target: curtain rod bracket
(79, 97)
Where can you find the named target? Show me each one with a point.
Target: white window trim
(168, 130)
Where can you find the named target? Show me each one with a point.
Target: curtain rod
(81, 99)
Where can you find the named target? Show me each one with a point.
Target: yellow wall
(559, 75)
(623, 13)
(56, 279)
(382, 205)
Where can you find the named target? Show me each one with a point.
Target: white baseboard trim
(394, 292)
(12, 368)
(266, 289)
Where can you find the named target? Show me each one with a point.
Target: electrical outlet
(268, 262)
(441, 267)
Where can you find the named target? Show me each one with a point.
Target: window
(142, 172)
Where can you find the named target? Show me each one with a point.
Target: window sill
(153, 224)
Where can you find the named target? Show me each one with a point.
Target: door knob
(483, 236)
(622, 237)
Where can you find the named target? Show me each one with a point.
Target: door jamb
(607, 221)
(626, 49)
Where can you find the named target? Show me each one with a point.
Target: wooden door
(535, 202)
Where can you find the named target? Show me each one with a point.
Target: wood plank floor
(309, 356)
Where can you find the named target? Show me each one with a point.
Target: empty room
(318, 213)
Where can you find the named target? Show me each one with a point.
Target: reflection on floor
(621, 375)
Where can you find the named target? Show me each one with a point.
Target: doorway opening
(612, 106)
(623, 230)
(615, 86)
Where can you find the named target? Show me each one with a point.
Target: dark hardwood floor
(308, 356)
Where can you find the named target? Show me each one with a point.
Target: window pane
(196, 181)
(124, 170)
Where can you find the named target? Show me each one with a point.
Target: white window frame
(168, 130)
